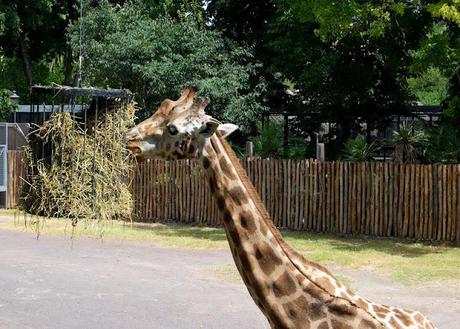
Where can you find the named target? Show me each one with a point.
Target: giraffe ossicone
(291, 291)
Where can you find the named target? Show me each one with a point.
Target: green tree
(440, 50)
(430, 86)
(6, 106)
(443, 144)
(155, 56)
(33, 31)
(349, 61)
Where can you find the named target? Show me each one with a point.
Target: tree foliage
(156, 56)
(34, 31)
(6, 106)
(351, 63)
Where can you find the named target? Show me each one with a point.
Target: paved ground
(56, 283)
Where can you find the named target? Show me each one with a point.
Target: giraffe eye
(172, 129)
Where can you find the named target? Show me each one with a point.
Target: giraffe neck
(288, 289)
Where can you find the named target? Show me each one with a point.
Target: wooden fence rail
(370, 198)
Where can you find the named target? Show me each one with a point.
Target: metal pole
(286, 133)
(7, 167)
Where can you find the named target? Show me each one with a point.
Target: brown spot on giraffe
(234, 236)
(227, 216)
(326, 283)
(220, 202)
(316, 311)
(238, 196)
(419, 318)
(212, 185)
(380, 308)
(266, 258)
(247, 222)
(361, 303)
(381, 315)
(366, 324)
(296, 312)
(314, 291)
(394, 323)
(284, 285)
(336, 324)
(403, 317)
(206, 163)
(342, 309)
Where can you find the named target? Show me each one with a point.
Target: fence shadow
(390, 246)
(352, 244)
(180, 230)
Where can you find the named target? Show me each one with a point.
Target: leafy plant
(409, 143)
(444, 144)
(6, 107)
(357, 149)
(269, 142)
(430, 87)
(298, 148)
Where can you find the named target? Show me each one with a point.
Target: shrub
(269, 142)
(443, 144)
(409, 143)
(357, 149)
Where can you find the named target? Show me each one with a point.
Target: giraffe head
(176, 130)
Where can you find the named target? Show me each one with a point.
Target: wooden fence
(16, 170)
(370, 198)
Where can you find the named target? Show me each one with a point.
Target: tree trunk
(25, 59)
(68, 79)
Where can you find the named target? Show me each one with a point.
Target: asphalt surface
(55, 282)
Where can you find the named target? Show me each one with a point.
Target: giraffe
(291, 292)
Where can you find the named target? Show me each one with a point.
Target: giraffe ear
(226, 129)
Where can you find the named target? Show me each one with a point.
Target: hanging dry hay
(81, 176)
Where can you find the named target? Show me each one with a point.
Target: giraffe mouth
(134, 150)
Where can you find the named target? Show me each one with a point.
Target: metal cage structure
(82, 104)
(12, 138)
(89, 108)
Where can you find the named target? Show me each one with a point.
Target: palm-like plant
(357, 149)
(268, 144)
(409, 143)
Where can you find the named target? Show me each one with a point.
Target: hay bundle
(80, 175)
